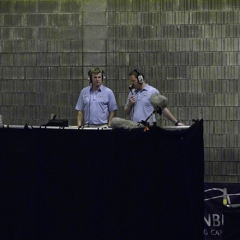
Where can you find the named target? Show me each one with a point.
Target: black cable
(89, 105)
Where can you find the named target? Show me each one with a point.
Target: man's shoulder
(106, 89)
(86, 89)
(151, 88)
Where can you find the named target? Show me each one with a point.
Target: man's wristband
(176, 124)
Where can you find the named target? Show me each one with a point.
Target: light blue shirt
(142, 107)
(96, 106)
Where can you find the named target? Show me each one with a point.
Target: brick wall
(188, 49)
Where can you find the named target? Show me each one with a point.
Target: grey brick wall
(188, 49)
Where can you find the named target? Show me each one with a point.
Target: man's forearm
(111, 115)
(79, 118)
(169, 115)
(127, 109)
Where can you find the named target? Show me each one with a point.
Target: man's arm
(111, 115)
(128, 107)
(80, 118)
(169, 116)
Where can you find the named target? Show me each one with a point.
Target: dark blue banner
(220, 209)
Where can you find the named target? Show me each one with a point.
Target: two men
(96, 103)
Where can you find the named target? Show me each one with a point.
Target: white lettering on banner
(214, 220)
(205, 232)
(213, 232)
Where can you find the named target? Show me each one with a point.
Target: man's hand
(131, 100)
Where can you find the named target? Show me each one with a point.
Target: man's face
(134, 82)
(97, 79)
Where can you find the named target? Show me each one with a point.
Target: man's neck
(142, 86)
(95, 88)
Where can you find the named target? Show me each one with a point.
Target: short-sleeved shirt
(142, 107)
(96, 105)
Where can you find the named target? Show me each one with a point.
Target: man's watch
(176, 124)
